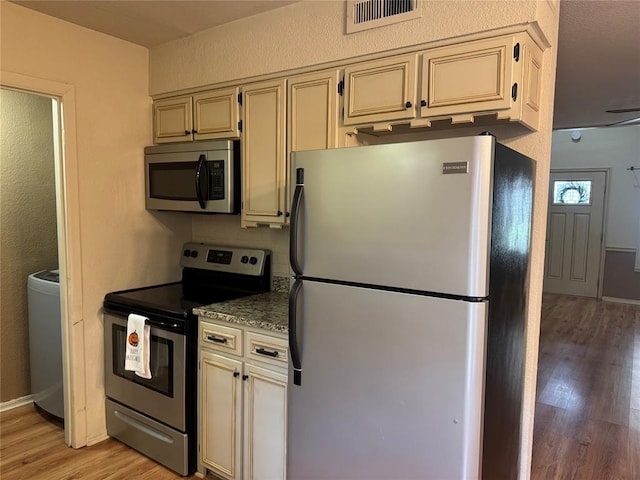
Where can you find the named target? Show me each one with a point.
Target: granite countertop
(268, 311)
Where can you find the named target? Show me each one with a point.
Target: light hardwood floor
(587, 423)
(32, 448)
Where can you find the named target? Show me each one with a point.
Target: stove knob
(244, 259)
(187, 253)
(194, 253)
(253, 260)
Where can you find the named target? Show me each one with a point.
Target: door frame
(69, 245)
(605, 208)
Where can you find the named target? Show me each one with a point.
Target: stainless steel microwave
(199, 177)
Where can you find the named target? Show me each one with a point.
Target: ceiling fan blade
(624, 110)
(630, 121)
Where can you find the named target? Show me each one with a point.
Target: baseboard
(100, 437)
(621, 300)
(15, 403)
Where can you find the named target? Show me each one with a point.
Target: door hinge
(240, 125)
(341, 86)
(516, 52)
(240, 98)
(514, 91)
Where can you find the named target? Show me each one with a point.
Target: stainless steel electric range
(157, 416)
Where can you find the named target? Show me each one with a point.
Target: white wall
(312, 32)
(28, 225)
(309, 33)
(617, 148)
(121, 245)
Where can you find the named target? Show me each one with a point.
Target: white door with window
(575, 232)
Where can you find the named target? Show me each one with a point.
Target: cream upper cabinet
(172, 120)
(498, 75)
(380, 90)
(312, 113)
(264, 162)
(203, 116)
(216, 114)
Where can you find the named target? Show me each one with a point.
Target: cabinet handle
(194, 131)
(236, 374)
(279, 213)
(213, 338)
(408, 105)
(187, 132)
(268, 353)
(423, 103)
(245, 377)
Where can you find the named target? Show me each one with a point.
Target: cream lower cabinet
(202, 116)
(243, 401)
(221, 415)
(265, 414)
(264, 162)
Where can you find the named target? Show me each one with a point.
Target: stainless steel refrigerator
(407, 310)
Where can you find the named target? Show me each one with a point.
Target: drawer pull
(213, 338)
(268, 353)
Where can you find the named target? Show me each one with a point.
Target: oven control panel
(247, 261)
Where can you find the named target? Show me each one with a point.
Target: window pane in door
(572, 192)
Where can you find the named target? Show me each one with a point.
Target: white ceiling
(598, 51)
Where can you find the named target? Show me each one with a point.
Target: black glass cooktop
(167, 300)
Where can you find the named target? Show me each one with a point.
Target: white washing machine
(45, 341)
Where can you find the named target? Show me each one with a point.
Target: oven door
(163, 395)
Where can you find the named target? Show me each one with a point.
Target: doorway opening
(575, 232)
(61, 100)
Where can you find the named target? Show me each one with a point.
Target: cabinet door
(379, 91)
(221, 414)
(467, 78)
(528, 93)
(313, 111)
(264, 172)
(172, 120)
(265, 426)
(216, 114)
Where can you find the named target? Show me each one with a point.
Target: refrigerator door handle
(293, 336)
(293, 228)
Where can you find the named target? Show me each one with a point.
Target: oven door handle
(202, 181)
(163, 325)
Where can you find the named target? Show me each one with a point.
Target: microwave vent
(368, 14)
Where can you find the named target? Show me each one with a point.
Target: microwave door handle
(202, 179)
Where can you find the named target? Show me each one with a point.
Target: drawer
(221, 338)
(266, 348)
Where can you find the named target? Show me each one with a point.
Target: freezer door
(391, 386)
(410, 215)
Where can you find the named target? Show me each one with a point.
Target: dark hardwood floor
(587, 422)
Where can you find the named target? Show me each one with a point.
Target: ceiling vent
(367, 14)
